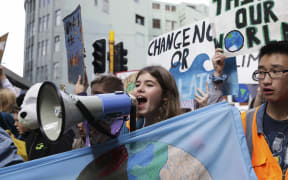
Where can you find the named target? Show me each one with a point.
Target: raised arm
(214, 94)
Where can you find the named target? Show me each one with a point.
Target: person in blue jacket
(8, 151)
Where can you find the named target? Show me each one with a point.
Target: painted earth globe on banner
(234, 41)
(145, 160)
(243, 94)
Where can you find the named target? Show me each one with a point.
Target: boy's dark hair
(280, 47)
(110, 83)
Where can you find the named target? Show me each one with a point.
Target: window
(45, 47)
(155, 6)
(45, 72)
(96, 2)
(38, 49)
(41, 73)
(34, 29)
(40, 24)
(139, 19)
(58, 17)
(31, 52)
(167, 8)
(43, 53)
(173, 8)
(137, 1)
(30, 29)
(27, 53)
(45, 22)
(57, 43)
(105, 8)
(38, 72)
(170, 25)
(156, 23)
(42, 3)
(56, 72)
(30, 6)
(33, 6)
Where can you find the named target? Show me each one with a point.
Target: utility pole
(111, 51)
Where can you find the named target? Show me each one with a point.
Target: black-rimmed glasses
(260, 75)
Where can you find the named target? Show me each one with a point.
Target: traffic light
(99, 55)
(120, 59)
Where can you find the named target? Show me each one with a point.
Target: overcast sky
(12, 19)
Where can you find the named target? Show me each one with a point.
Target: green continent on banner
(146, 160)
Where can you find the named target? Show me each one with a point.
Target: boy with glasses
(266, 127)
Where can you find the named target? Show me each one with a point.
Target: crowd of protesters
(157, 98)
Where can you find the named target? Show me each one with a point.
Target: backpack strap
(248, 132)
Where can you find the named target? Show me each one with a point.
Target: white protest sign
(246, 65)
(182, 46)
(187, 54)
(243, 26)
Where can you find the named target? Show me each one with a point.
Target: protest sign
(74, 45)
(128, 79)
(187, 54)
(3, 40)
(246, 65)
(242, 26)
(208, 143)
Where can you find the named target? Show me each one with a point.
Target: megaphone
(58, 111)
(27, 116)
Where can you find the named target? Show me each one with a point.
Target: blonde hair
(7, 100)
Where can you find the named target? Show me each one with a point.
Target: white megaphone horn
(58, 111)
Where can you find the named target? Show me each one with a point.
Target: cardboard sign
(128, 79)
(74, 45)
(243, 26)
(187, 54)
(3, 40)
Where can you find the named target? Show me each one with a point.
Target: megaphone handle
(87, 140)
(133, 118)
(87, 115)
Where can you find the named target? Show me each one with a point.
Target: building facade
(167, 17)
(134, 22)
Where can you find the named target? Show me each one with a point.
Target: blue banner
(74, 45)
(208, 143)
